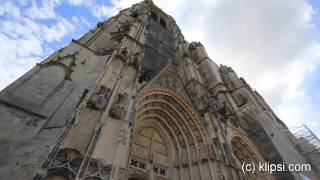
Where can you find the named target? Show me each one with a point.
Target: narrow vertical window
(162, 23)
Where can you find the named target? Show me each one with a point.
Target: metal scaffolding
(307, 139)
(309, 145)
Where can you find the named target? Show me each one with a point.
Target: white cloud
(59, 30)
(23, 39)
(22, 2)
(8, 8)
(80, 20)
(79, 2)
(298, 111)
(16, 57)
(102, 11)
(42, 10)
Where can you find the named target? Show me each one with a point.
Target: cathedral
(133, 100)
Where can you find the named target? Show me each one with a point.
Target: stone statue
(99, 99)
(185, 49)
(117, 110)
(149, 171)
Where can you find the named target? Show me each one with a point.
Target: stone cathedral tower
(132, 99)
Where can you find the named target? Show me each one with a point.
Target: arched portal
(245, 152)
(168, 140)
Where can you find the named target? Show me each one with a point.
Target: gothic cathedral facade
(132, 99)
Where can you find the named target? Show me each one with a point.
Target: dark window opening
(154, 16)
(134, 15)
(134, 163)
(125, 28)
(163, 172)
(162, 23)
(142, 165)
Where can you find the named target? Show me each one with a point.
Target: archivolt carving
(171, 114)
(184, 158)
(194, 155)
(187, 145)
(203, 153)
(211, 152)
(244, 151)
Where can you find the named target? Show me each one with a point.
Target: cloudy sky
(273, 44)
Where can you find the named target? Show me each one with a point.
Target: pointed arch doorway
(168, 140)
